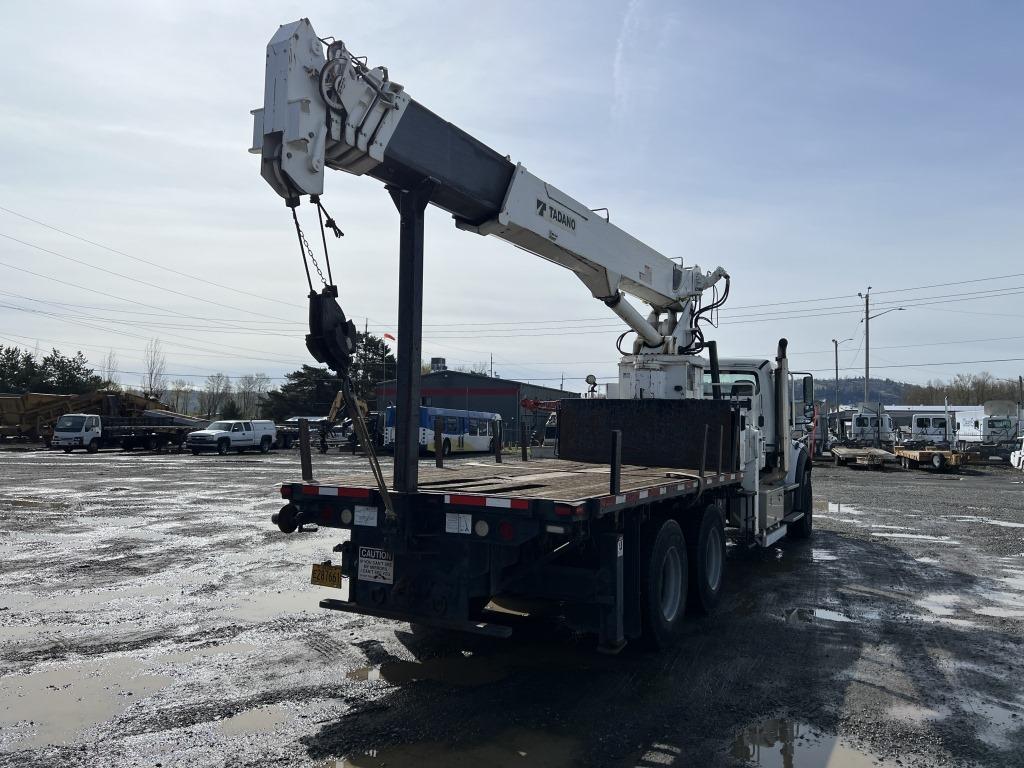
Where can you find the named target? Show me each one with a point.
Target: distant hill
(851, 391)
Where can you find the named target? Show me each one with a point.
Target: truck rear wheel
(94, 445)
(67, 450)
(222, 447)
(664, 582)
(706, 555)
(195, 451)
(265, 445)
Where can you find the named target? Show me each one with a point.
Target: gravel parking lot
(150, 615)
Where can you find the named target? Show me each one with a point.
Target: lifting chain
(307, 252)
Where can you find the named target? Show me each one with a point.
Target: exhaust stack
(782, 430)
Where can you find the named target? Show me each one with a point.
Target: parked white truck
(90, 431)
(235, 435)
(871, 425)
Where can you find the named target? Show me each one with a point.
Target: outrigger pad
(332, 337)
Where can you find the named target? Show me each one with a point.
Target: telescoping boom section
(327, 109)
(625, 531)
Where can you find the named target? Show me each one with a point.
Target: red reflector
(310, 490)
(506, 531)
(286, 491)
(563, 511)
(358, 493)
(469, 501)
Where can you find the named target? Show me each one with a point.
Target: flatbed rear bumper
(489, 629)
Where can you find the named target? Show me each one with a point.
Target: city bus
(464, 431)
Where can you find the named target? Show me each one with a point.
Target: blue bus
(464, 431)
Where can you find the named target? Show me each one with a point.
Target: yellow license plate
(325, 575)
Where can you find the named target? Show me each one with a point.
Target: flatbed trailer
(939, 459)
(873, 458)
(550, 529)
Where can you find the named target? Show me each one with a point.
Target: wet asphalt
(150, 615)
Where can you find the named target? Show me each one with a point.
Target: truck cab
(234, 435)
(77, 430)
(868, 426)
(930, 428)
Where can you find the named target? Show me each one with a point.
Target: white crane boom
(332, 111)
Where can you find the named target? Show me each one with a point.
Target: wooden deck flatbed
(551, 481)
(874, 458)
(551, 529)
(939, 459)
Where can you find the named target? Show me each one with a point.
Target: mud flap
(332, 337)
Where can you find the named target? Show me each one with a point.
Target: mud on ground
(150, 615)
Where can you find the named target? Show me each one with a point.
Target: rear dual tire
(705, 539)
(664, 582)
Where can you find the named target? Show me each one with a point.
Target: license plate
(325, 575)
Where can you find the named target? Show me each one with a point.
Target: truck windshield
(70, 424)
(223, 426)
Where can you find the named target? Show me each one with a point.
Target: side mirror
(808, 389)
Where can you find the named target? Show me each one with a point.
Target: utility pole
(867, 342)
(562, 385)
(492, 365)
(836, 343)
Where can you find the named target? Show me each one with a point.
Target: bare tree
(109, 370)
(155, 362)
(216, 391)
(179, 395)
(250, 391)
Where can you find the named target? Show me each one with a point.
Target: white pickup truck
(224, 436)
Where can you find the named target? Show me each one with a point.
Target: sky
(812, 149)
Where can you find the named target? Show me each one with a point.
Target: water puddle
(811, 615)
(999, 612)
(916, 713)
(267, 605)
(998, 719)
(178, 657)
(511, 748)
(915, 537)
(1014, 582)
(466, 671)
(52, 706)
(261, 719)
(791, 744)
(833, 508)
(939, 604)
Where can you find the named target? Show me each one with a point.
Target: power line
(235, 289)
(161, 288)
(929, 365)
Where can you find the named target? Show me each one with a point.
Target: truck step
(485, 628)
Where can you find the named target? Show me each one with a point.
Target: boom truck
(626, 529)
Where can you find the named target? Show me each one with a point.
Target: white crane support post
(333, 111)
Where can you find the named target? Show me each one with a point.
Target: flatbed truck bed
(939, 459)
(547, 529)
(874, 458)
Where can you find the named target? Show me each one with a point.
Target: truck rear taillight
(286, 491)
(506, 530)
